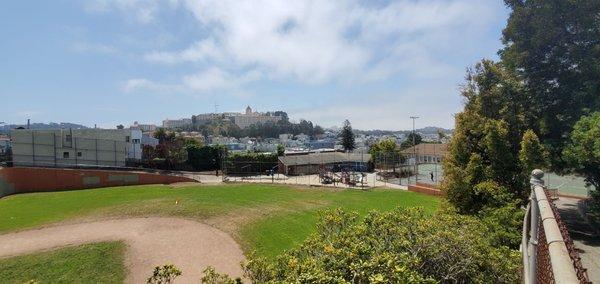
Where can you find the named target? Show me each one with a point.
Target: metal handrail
(539, 212)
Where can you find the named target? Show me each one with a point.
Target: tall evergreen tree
(483, 174)
(347, 136)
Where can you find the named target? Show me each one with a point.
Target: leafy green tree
(409, 140)
(205, 158)
(160, 134)
(483, 174)
(347, 136)
(386, 152)
(554, 46)
(583, 156)
(583, 150)
(532, 154)
(280, 150)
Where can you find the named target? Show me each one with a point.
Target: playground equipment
(347, 177)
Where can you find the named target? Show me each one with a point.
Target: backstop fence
(549, 255)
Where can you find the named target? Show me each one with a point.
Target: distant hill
(40, 126)
(434, 130)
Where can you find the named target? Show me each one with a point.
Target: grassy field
(91, 263)
(265, 218)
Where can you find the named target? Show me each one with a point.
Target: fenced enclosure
(50, 150)
(569, 185)
(321, 168)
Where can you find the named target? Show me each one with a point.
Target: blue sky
(373, 62)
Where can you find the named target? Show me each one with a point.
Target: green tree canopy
(409, 140)
(554, 46)
(483, 173)
(386, 151)
(583, 150)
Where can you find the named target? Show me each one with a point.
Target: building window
(65, 155)
(135, 141)
(69, 138)
(126, 138)
(79, 154)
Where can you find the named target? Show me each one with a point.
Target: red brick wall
(20, 180)
(429, 190)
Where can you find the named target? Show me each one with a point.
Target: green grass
(91, 263)
(272, 217)
(272, 235)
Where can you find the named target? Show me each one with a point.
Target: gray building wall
(65, 148)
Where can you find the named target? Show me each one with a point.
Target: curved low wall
(425, 189)
(22, 180)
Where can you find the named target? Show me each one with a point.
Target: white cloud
(201, 50)
(323, 41)
(211, 79)
(310, 41)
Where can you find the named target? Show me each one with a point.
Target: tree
(483, 174)
(160, 134)
(409, 140)
(554, 46)
(347, 136)
(532, 154)
(280, 150)
(583, 157)
(386, 152)
(583, 150)
(120, 126)
(205, 158)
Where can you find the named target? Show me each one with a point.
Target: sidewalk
(583, 237)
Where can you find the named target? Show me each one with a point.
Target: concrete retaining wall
(22, 179)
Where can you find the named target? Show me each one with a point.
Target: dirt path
(189, 245)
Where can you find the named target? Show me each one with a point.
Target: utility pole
(415, 149)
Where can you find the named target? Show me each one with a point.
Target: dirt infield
(189, 245)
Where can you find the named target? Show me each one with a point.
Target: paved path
(151, 242)
(583, 237)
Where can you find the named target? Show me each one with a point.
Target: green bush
(165, 274)
(402, 246)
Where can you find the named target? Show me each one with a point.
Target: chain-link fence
(549, 255)
(52, 150)
(544, 263)
(321, 168)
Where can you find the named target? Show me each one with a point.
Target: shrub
(211, 276)
(402, 246)
(164, 275)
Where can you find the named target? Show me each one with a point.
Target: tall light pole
(415, 149)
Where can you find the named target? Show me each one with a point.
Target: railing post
(536, 180)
